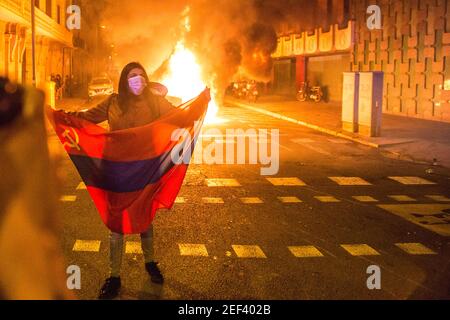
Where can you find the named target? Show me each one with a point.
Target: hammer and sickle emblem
(72, 142)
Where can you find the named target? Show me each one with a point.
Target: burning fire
(184, 79)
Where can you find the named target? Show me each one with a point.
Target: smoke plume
(228, 37)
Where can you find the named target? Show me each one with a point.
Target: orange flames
(184, 79)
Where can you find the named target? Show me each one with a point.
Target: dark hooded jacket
(138, 114)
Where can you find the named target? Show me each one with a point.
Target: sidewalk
(404, 138)
(74, 104)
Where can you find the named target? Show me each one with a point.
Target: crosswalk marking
(302, 140)
(245, 251)
(412, 180)
(350, 181)
(292, 181)
(81, 186)
(339, 141)
(434, 217)
(293, 199)
(254, 251)
(365, 198)
(327, 199)
(315, 149)
(190, 249)
(415, 248)
(438, 198)
(180, 200)
(360, 250)
(254, 200)
(133, 247)
(86, 246)
(212, 200)
(305, 251)
(222, 183)
(289, 199)
(402, 198)
(68, 198)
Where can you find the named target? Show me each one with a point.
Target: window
(48, 8)
(346, 10)
(58, 14)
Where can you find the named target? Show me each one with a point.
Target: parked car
(100, 86)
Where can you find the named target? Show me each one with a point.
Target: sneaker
(154, 272)
(110, 289)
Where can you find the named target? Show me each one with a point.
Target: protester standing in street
(138, 103)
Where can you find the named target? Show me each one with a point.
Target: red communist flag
(132, 173)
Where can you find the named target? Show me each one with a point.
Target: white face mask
(137, 85)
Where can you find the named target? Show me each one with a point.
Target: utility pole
(33, 41)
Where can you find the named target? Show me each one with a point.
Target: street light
(33, 41)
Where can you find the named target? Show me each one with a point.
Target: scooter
(239, 90)
(252, 92)
(305, 92)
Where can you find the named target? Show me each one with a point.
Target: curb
(331, 132)
(305, 124)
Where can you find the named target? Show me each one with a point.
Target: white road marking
(133, 247)
(412, 180)
(360, 250)
(415, 248)
(350, 181)
(284, 147)
(402, 198)
(190, 249)
(434, 217)
(180, 200)
(289, 199)
(81, 186)
(302, 140)
(212, 200)
(305, 251)
(438, 198)
(68, 198)
(253, 200)
(315, 149)
(222, 183)
(87, 246)
(365, 198)
(286, 181)
(327, 199)
(339, 141)
(245, 251)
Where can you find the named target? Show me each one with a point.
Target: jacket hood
(158, 89)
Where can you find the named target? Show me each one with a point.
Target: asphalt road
(313, 240)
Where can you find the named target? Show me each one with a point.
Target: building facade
(91, 54)
(412, 48)
(53, 40)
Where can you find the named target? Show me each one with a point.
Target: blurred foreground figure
(31, 263)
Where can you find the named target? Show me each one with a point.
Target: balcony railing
(319, 42)
(19, 11)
